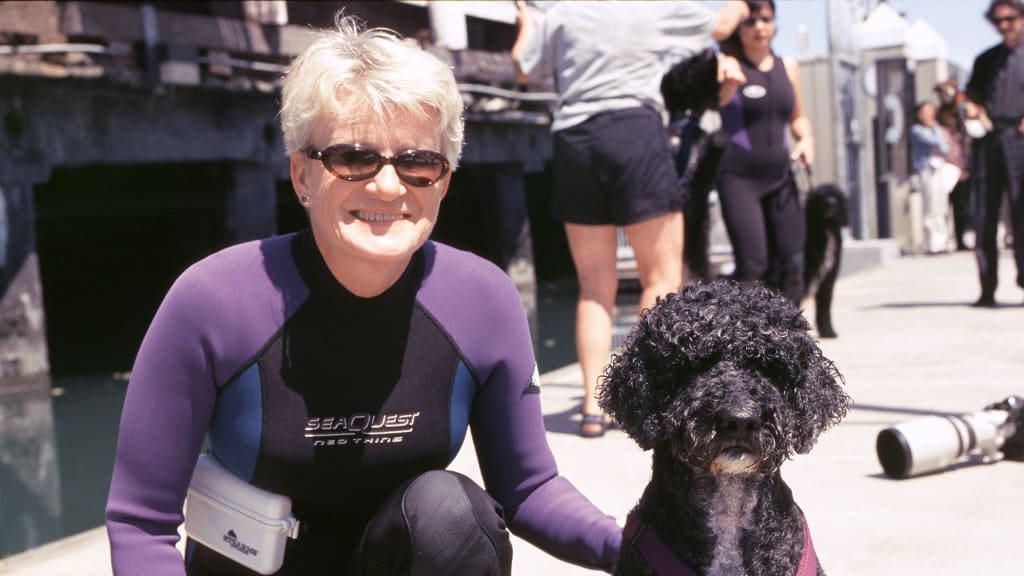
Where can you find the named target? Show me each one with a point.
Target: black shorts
(615, 168)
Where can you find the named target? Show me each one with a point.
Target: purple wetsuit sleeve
(489, 324)
(516, 461)
(166, 411)
(202, 333)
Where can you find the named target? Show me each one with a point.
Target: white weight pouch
(236, 519)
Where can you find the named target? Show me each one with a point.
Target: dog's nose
(738, 422)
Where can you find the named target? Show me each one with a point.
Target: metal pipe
(54, 49)
(510, 94)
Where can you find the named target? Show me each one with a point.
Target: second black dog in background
(826, 213)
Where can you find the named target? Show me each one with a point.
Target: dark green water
(56, 453)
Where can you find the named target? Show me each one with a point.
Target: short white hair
(354, 69)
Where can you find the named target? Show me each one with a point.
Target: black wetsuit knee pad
(439, 522)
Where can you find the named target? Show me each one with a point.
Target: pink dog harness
(663, 561)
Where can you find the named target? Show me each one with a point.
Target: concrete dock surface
(909, 345)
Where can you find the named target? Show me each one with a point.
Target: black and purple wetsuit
(304, 389)
(760, 202)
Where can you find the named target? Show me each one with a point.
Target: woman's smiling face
(381, 219)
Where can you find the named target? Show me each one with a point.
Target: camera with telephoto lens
(932, 443)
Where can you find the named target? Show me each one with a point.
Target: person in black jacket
(995, 94)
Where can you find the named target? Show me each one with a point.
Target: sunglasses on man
(997, 22)
(353, 162)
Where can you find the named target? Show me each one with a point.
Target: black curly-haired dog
(826, 214)
(689, 89)
(724, 383)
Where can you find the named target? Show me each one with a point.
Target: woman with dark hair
(761, 205)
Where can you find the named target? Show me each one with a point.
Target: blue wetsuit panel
(462, 401)
(238, 423)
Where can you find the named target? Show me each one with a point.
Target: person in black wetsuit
(761, 205)
(995, 92)
(343, 365)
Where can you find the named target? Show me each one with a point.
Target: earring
(304, 200)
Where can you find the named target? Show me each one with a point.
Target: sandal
(594, 425)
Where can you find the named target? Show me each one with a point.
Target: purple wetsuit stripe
(732, 121)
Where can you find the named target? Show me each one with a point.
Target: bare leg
(658, 246)
(593, 251)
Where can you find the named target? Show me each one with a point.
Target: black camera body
(932, 443)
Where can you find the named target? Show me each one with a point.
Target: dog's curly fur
(690, 86)
(724, 382)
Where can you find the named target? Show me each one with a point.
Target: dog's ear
(624, 391)
(667, 349)
(644, 376)
(818, 397)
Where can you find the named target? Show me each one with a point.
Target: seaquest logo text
(360, 428)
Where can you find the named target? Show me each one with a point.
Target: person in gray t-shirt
(611, 163)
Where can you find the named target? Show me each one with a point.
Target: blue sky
(960, 22)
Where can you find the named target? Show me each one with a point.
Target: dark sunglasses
(353, 163)
(751, 21)
(1005, 19)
